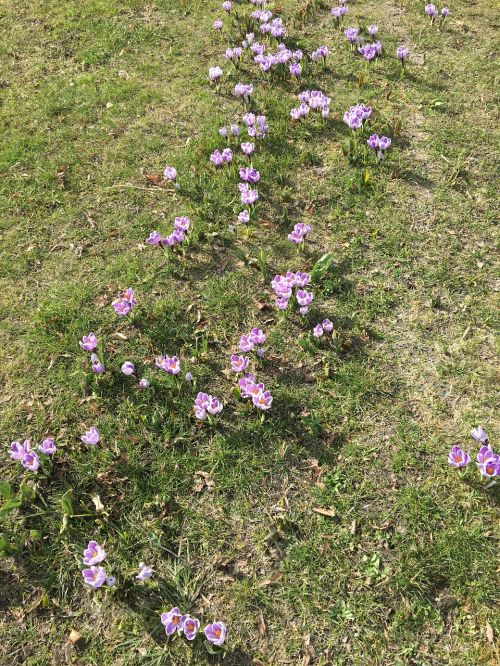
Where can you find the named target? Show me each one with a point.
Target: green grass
(96, 96)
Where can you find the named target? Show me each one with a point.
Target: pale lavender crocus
(110, 581)
(91, 437)
(93, 554)
(215, 74)
(128, 368)
(189, 377)
(327, 325)
(170, 364)
(31, 461)
(244, 217)
(263, 400)
(216, 633)
(239, 363)
(48, 447)
(257, 336)
(144, 383)
(191, 627)
(480, 435)
(170, 173)
(97, 364)
(248, 147)
(226, 6)
(491, 466)
(318, 331)
(154, 238)
(172, 621)
(95, 576)
(19, 451)
(145, 572)
(304, 297)
(218, 24)
(89, 342)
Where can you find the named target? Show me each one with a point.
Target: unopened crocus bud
(128, 368)
(189, 377)
(144, 383)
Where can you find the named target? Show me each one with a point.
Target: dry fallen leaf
(272, 579)
(202, 480)
(329, 513)
(262, 625)
(99, 506)
(490, 634)
(74, 636)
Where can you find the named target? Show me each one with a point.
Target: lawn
(329, 529)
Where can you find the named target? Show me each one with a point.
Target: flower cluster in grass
(487, 461)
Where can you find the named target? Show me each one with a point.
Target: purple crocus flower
(144, 383)
(189, 377)
(373, 29)
(110, 581)
(97, 365)
(246, 343)
(445, 12)
(191, 627)
(263, 400)
(369, 52)
(458, 458)
(227, 154)
(216, 633)
(245, 384)
(172, 621)
(217, 158)
(257, 336)
(239, 363)
(304, 297)
(249, 175)
(327, 325)
(384, 143)
(145, 572)
(304, 310)
(19, 451)
(223, 130)
(485, 453)
(91, 437)
(491, 466)
(128, 368)
(93, 554)
(243, 90)
(296, 69)
(170, 173)
(215, 406)
(122, 308)
(402, 53)
(235, 130)
(154, 238)
(48, 447)
(373, 141)
(226, 6)
(31, 461)
(95, 576)
(480, 435)
(89, 342)
(249, 197)
(215, 74)
(351, 34)
(318, 331)
(171, 365)
(182, 224)
(244, 217)
(218, 24)
(431, 11)
(282, 303)
(248, 148)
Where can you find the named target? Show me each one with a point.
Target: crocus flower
(445, 12)
(318, 331)
(125, 302)
(128, 368)
(235, 130)
(373, 141)
(19, 451)
(327, 325)
(93, 554)
(480, 435)
(226, 6)
(227, 154)
(223, 130)
(110, 581)
(215, 74)
(216, 633)
(170, 173)
(144, 383)
(215, 406)
(295, 69)
(145, 572)
(239, 363)
(172, 621)
(248, 148)
(48, 446)
(431, 11)
(491, 466)
(89, 342)
(182, 224)
(402, 53)
(218, 24)
(384, 143)
(485, 453)
(304, 310)
(95, 576)
(191, 627)
(217, 158)
(373, 29)
(31, 461)
(91, 437)
(304, 297)
(97, 365)
(171, 365)
(249, 197)
(257, 336)
(243, 90)
(249, 175)
(154, 238)
(458, 458)
(351, 34)
(246, 343)
(263, 400)
(368, 51)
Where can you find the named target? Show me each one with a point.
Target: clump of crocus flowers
(89, 343)
(177, 237)
(379, 145)
(283, 286)
(314, 100)
(125, 302)
(321, 52)
(487, 461)
(219, 158)
(207, 405)
(250, 388)
(253, 342)
(29, 458)
(299, 233)
(176, 622)
(95, 576)
(170, 364)
(370, 51)
(243, 90)
(320, 329)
